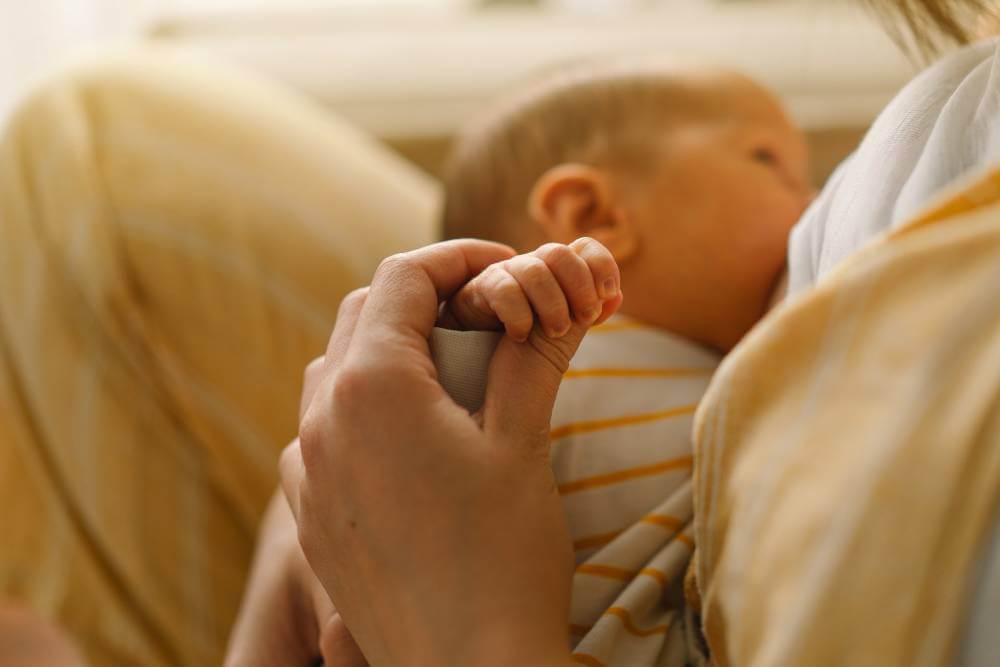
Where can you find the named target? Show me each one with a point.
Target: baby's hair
(603, 116)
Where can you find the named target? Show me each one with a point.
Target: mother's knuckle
(354, 299)
(312, 430)
(395, 263)
(313, 367)
(351, 385)
(288, 455)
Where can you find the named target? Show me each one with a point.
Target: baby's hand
(554, 283)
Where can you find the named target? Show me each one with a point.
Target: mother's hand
(441, 540)
(286, 617)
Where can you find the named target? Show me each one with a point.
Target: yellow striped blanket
(174, 240)
(848, 454)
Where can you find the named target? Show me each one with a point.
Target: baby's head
(691, 176)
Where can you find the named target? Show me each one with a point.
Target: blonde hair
(929, 25)
(603, 116)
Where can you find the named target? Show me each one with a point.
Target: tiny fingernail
(609, 288)
(560, 332)
(591, 314)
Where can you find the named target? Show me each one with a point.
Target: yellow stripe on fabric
(686, 539)
(663, 520)
(586, 659)
(636, 372)
(606, 571)
(621, 574)
(627, 420)
(593, 541)
(682, 463)
(661, 577)
(623, 615)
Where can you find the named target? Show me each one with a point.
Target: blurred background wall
(35, 34)
(411, 71)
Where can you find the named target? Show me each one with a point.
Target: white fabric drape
(941, 128)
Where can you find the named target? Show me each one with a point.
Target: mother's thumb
(522, 384)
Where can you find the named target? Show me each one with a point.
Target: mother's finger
(402, 303)
(292, 472)
(391, 331)
(347, 319)
(310, 381)
(279, 621)
(340, 339)
(388, 360)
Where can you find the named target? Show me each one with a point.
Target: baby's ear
(573, 200)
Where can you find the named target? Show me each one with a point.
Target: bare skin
(701, 232)
(753, 154)
(287, 612)
(27, 640)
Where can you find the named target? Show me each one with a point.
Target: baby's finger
(575, 279)
(469, 308)
(504, 296)
(609, 308)
(604, 269)
(543, 292)
(491, 299)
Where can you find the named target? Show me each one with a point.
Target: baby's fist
(556, 283)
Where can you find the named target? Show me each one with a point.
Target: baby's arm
(554, 283)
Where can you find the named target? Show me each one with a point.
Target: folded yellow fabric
(848, 454)
(175, 237)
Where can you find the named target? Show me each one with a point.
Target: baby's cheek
(764, 239)
(778, 212)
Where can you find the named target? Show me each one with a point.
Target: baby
(691, 178)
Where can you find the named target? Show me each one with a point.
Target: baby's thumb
(522, 384)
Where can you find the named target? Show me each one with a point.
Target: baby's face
(719, 207)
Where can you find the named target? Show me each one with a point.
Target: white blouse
(944, 126)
